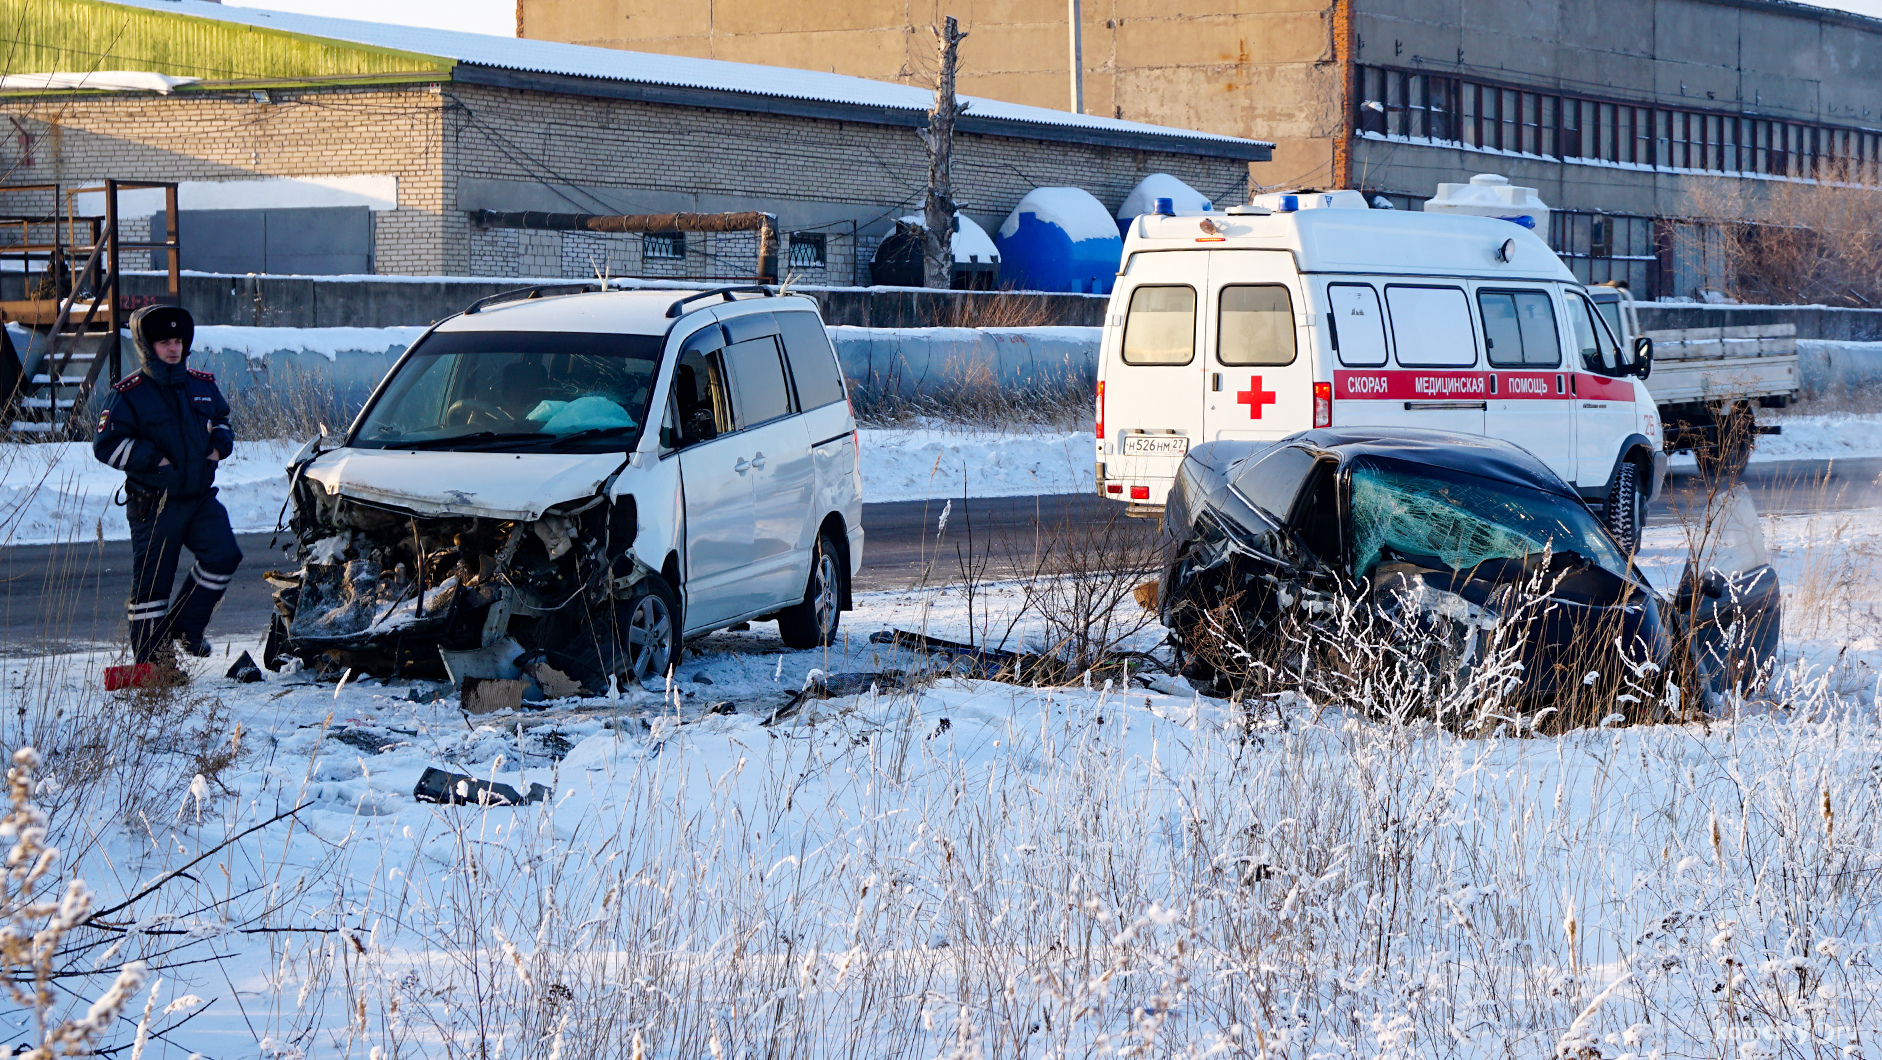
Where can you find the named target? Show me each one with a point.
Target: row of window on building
(1444, 109)
(808, 250)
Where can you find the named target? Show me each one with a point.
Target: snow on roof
(576, 60)
(93, 80)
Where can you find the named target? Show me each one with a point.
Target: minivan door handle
(742, 466)
(758, 462)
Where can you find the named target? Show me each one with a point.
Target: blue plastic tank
(1059, 239)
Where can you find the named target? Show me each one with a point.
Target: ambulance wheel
(1626, 508)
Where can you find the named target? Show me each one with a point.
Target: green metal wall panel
(79, 35)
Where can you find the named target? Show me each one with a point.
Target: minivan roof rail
(753, 288)
(537, 291)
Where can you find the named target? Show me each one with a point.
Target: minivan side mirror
(1643, 356)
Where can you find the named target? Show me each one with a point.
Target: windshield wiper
(592, 433)
(474, 438)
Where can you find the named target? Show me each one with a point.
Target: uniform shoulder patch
(128, 383)
(207, 377)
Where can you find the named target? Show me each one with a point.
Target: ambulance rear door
(1259, 343)
(1151, 391)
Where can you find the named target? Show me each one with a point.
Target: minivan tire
(1626, 507)
(646, 631)
(812, 622)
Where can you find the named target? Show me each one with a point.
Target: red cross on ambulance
(1255, 397)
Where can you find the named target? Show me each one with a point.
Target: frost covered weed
(965, 395)
(1115, 883)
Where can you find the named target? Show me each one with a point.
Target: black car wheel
(1626, 507)
(812, 622)
(645, 633)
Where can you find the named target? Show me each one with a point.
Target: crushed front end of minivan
(384, 587)
(475, 508)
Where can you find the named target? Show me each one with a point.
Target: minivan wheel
(1626, 508)
(812, 622)
(647, 630)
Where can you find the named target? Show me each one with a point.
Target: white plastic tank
(1492, 195)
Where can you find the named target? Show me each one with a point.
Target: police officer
(166, 427)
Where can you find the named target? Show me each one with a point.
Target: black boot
(193, 644)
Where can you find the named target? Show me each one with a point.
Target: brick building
(1639, 120)
(323, 145)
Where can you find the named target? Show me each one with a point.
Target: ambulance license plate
(1155, 445)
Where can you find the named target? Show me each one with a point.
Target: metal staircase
(68, 270)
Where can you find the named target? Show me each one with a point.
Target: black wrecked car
(1423, 570)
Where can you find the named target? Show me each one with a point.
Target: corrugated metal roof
(576, 60)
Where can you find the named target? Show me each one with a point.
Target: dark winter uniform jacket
(164, 411)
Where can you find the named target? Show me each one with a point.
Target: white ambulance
(1312, 310)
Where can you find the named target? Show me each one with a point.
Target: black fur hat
(159, 322)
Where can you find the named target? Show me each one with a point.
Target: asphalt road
(71, 596)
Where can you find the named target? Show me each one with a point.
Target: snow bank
(909, 465)
(56, 491)
(257, 343)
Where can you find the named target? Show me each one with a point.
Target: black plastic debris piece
(458, 789)
(245, 670)
(371, 741)
(835, 686)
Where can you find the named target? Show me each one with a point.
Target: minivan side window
(1160, 325)
(1431, 326)
(813, 362)
(759, 392)
(1356, 324)
(1519, 329)
(1595, 354)
(1255, 325)
(698, 407)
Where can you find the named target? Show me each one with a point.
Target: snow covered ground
(971, 868)
(58, 492)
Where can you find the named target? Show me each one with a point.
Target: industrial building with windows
(307, 144)
(1635, 119)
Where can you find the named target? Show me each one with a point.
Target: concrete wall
(1256, 68)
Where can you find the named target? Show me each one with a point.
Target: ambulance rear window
(1256, 325)
(1160, 326)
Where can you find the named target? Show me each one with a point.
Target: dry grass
(1811, 243)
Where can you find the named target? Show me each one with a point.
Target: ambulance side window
(1255, 325)
(1160, 325)
(1519, 329)
(1357, 325)
(1431, 326)
(1595, 355)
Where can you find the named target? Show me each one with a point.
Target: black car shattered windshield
(517, 390)
(1462, 520)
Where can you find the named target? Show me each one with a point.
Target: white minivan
(576, 482)
(1311, 310)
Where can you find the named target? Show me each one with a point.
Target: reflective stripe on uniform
(212, 582)
(148, 610)
(121, 455)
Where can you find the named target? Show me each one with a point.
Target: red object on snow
(139, 675)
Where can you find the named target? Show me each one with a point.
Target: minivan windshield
(516, 390)
(1459, 520)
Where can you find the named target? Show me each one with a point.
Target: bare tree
(937, 242)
